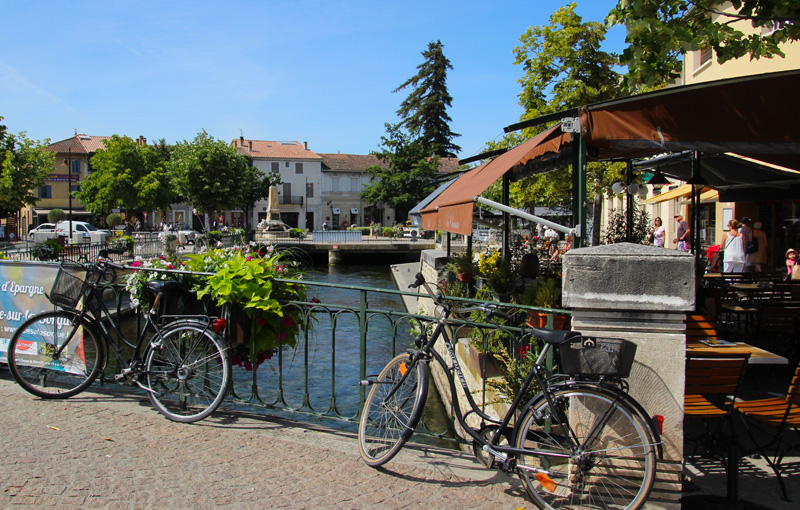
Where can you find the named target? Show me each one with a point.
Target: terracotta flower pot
(466, 277)
(539, 320)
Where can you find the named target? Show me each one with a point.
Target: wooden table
(758, 356)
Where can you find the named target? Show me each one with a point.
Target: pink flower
(136, 263)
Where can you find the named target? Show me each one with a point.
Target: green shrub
(45, 251)
(113, 219)
(297, 233)
(121, 243)
(56, 215)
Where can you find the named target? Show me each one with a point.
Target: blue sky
(315, 71)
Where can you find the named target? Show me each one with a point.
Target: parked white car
(45, 230)
(86, 230)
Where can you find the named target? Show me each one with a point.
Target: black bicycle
(181, 361)
(582, 442)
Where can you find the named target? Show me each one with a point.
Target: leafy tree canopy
(24, 166)
(210, 175)
(564, 68)
(424, 111)
(411, 175)
(126, 175)
(659, 32)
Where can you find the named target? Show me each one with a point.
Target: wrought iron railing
(351, 338)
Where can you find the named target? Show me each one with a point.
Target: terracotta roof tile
(359, 163)
(79, 144)
(265, 149)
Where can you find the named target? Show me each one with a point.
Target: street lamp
(68, 162)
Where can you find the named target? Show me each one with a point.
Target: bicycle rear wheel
(53, 355)
(392, 409)
(610, 462)
(188, 372)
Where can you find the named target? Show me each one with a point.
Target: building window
(354, 185)
(705, 56)
(286, 164)
(298, 168)
(75, 188)
(276, 167)
(45, 191)
(310, 190)
(335, 184)
(76, 167)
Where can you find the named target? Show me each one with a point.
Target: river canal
(322, 373)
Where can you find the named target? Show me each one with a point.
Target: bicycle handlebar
(490, 309)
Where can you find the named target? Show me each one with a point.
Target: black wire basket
(593, 356)
(67, 290)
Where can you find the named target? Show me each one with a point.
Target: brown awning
(452, 210)
(756, 116)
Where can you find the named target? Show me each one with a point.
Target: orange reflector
(546, 482)
(403, 368)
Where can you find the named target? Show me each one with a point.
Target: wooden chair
(700, 327)
(712, 382)
(780, 417)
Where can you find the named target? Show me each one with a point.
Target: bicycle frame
(547, 386)
(96, 316)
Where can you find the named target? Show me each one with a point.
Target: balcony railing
(291, 200)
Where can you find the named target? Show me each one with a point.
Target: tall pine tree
(424, 111)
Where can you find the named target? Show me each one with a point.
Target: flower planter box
(494, 368)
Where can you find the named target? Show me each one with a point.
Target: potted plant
(498, 274)
(463, 266)
(543, 293)
(47, 250)
(120, 244)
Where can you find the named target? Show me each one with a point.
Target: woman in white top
(732, 246)
(658, 233)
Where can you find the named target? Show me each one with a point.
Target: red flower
(261, 322)
(287, 322)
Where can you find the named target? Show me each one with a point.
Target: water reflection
(330, 357)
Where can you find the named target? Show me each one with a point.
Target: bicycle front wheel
(54, 355)
(187, 372)
(392, 409)
(587, 451)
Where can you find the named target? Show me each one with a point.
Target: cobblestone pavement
(112, 450)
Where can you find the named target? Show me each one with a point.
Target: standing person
(759, 257)
(747, 237)
(682, 234)
(659, 233)
(732, 244)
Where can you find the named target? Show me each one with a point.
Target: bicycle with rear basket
(582, 442)
(181, 361)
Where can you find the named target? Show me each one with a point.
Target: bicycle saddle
(554, 336)
(165, 286)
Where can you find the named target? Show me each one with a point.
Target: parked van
(86, 232)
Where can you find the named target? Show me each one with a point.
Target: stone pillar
(334, 257)
(642, 294)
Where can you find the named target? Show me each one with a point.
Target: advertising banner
(22, 294)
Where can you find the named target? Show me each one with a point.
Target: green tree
(424, 111)
(564, 67)
(659, 32)
(210, 175)
(24, 167)
(127, 176)
(410, 176)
